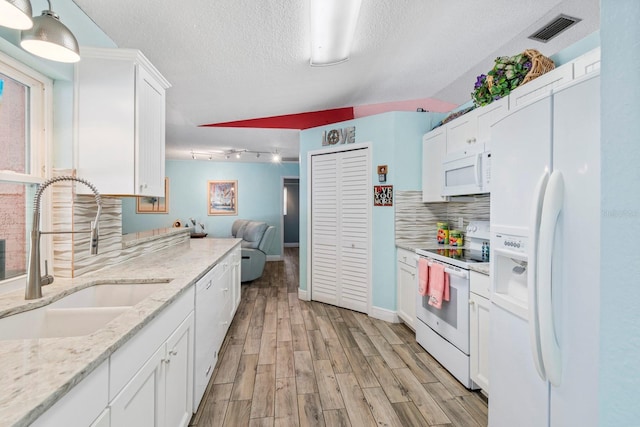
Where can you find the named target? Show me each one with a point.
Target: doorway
(290, 212)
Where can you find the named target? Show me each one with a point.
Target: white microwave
(466, 172)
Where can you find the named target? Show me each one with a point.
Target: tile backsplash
(415, 221)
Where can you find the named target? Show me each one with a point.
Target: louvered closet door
(340, 229)
(324, 232)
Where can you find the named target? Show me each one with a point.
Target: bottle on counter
(456, 238)
(443, 233)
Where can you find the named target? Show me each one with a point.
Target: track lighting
(50, 39)
(228, 154)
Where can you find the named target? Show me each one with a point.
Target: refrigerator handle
(532, 280)
(551, 209)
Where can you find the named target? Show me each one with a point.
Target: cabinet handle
(173, 352)
(472, 303)
(208, 370)
(209, 283)
(225, 290)
(167, 361)
(225, 323)
(471, 140)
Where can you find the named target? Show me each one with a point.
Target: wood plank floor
(286, 362)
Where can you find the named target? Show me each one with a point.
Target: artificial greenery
(506, 75)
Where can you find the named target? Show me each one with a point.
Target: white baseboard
(292, 245)
(303, 295)
(274, 258)
(384, 314)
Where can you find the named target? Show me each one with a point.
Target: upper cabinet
(120, 116)
(473, 130)
(433, 150)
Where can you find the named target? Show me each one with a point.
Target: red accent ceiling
(292, 121)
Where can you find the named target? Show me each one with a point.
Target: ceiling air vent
(553, 28)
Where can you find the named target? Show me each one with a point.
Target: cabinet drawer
(406, 257)
(480, 284)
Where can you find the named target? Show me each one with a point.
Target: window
(25, 114)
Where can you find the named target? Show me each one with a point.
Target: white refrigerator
(545, 269)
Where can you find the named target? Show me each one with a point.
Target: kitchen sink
(80, 313)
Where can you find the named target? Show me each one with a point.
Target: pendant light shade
(16, 14)
(51, 39)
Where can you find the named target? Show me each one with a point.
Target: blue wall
(396, 141)
(259, 196)
(619, 375)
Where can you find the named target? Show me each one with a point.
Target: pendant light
(51, 39)
(16, 14)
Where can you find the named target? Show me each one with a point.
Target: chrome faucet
(34, 280)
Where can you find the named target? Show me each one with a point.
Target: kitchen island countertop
(36, 373)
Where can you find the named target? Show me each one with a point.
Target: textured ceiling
(230, 60)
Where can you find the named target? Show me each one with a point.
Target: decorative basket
(539, 64)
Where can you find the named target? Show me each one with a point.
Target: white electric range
(444, 332)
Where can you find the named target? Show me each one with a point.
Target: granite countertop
(480, 267)
(133, 239)
(38, 372)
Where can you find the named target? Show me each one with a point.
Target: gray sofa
(256, 237)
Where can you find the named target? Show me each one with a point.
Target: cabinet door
(462, 132)
(541, 86)
(487, 116)
(235, 279)
(103, 420)
(150, 98)
(586, 63)
(433, 151)
(139, 404)
(179, 375)
(479, 340)
(407, 293)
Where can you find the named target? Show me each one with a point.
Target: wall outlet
(460, 223)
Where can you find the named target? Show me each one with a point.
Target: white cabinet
(138, 404)
(472, 131)
(236, 265)
(541, 86)
(479, 329)
(160, 393)
(179, 376)
(120, 115)
(407, 287)
(216, 300)
(586, 63)
(83, 405)
(433, 150)
(103, 420)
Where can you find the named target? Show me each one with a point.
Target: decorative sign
(339, 136)
(383, 195)
(382, 173)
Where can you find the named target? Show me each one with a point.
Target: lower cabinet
(406, 287)
(479, 329)
(160, 393)
(216, 301)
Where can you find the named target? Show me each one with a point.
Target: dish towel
(438, 285)
(423, 276)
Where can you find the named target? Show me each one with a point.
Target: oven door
(452, 320)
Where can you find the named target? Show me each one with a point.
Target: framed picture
(222, 197)
(383, 195)
(154, 205)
